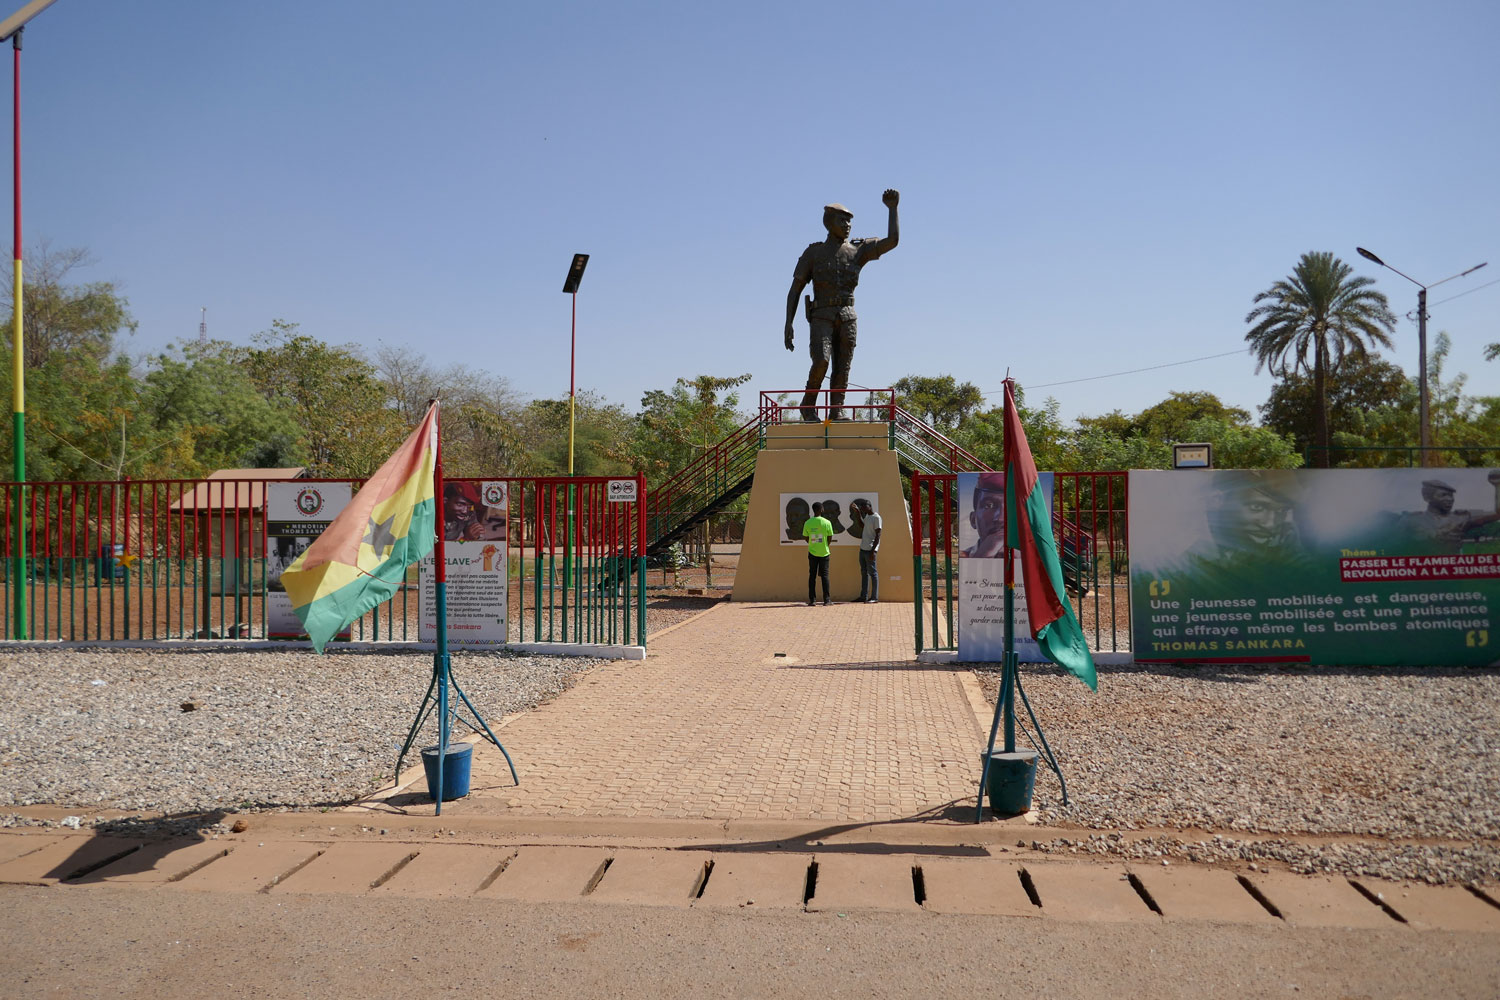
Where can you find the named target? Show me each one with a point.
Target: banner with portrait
(475, 520)
(1332, 566)
(296, 513)
(981, 572)
(841, 510)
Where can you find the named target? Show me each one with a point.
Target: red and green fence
(1088, 521)
(180, 559)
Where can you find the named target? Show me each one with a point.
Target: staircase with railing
(724, 472)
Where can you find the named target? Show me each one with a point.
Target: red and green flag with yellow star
(361, 558)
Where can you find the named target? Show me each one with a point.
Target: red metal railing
(723, 471)
(187, 559)
(1088, 523)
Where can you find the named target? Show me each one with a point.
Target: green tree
(1460, 420)
(346, 427)
(709, 419)
(80, 421)
(1116, 422)
(1491, 351)
(1239, 445)
(1383, 435)
(983, 434)
(942, 401)
(1320, 310)
(62, 318)
(1093, 449)
(82, 398)
(542, 430)
(677, 425)
(200, 397)
(480, 411)
(1361, 383)
(1170, 420)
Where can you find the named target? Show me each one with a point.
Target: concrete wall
(812, 459)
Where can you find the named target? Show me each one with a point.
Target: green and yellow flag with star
(361, 558)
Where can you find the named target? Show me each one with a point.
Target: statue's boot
(836, 406)
(810, 406)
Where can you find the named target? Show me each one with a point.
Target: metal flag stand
(1010, 676)
(442, 671)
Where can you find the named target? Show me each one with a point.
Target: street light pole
(570, 286)
(1423, 415)
(18, 362)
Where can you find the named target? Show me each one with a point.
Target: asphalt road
(105, 941)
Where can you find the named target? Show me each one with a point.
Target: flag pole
(1012, 502)
(1004, 704)
(448, 691)
(440, 662)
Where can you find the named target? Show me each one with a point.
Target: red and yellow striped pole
(11, 28)
(18, 372)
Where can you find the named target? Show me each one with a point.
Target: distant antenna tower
(203, 327)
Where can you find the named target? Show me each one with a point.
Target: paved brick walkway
(844, 727)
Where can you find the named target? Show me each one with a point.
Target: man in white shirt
(869, 544)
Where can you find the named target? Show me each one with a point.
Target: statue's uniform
(833, 271)
(1437, 533)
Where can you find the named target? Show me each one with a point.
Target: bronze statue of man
(833, 268)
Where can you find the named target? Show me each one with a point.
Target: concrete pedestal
(816, 461)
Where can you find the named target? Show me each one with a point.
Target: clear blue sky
(1086, 188)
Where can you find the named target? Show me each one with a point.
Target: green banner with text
(1329, 566)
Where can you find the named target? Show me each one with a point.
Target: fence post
(916, 551)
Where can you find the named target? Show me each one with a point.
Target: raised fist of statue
(891, 197)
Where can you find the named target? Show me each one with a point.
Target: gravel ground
(107, 728)
(1401, 766)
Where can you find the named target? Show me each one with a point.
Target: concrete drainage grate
(1260, 897)
(200, 865)
(703, 876)
(277, 880)
(598, 876)
(1372, 897)
(1030, 887)
(394, 869)
(1483, 895)
(489, 879)
(1141, 891)
(91, 868)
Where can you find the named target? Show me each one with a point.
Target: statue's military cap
(836, 207)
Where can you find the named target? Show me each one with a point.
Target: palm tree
(1318, 309)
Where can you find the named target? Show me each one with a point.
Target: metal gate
(181, 559)
(1088, 521)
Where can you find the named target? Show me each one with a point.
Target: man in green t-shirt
(818, 531)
